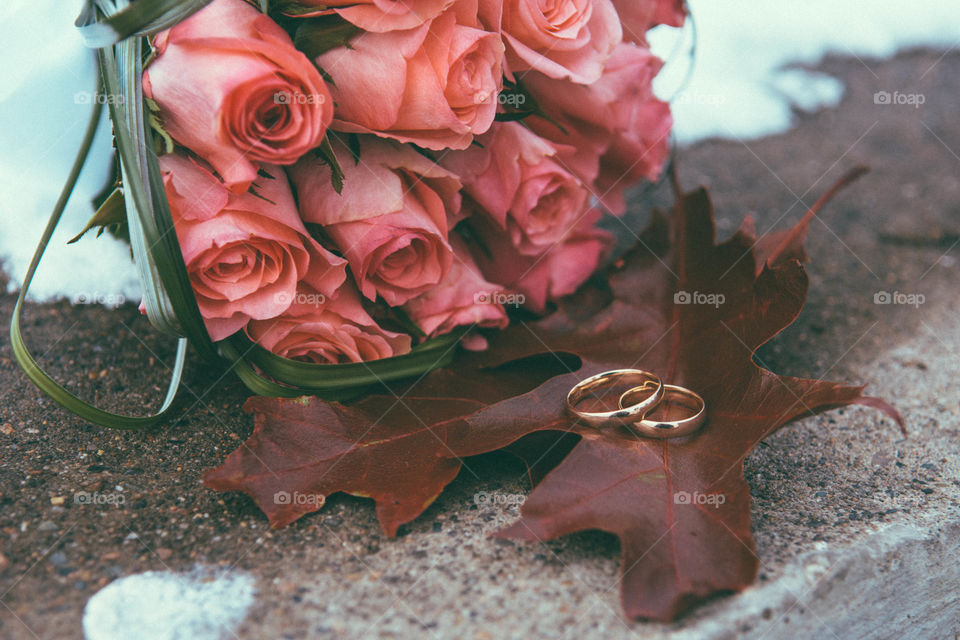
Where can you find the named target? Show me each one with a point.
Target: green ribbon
(22, 354)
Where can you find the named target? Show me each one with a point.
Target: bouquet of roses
(327, 195)
(349, 177)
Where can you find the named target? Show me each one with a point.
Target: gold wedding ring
(646, 394)
(639, 380)
(673, 394)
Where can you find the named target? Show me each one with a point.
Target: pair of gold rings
(645, 395)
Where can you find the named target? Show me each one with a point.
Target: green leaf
(141, 18)
(253, 192)
(403, 319)
(530, 107)
(353, 143)
(319, 35)
(22, 354)
(332, 381)
(294, 8)
(326, 77)
(513, 116)
(112, 213)
(319, 233)
(325, 151)
(163, 143)
(156, 249)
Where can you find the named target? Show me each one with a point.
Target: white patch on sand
(204, 604)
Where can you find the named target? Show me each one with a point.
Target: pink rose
(560, 38)
(232, 88)
(639, 16)
(391, 219)
(378, 15)
(247, 253)
(620, 130)
(327, 331)
(435, 85)
(514, 178)
(462, 298)
(557, 272)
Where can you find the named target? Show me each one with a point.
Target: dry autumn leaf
(680, 507)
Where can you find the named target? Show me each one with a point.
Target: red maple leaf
(680, 507)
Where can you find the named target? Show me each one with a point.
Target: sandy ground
(829, 480)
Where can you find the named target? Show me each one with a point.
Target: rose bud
(327, 330)
(464, 297)
(245, 253)
(619, 129)
(435, 85)
(557, 272)
(391, 219)
(232, 88)
(561, 39)
(376, 15)
(514, 178)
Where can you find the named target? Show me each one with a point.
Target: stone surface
(856, 526)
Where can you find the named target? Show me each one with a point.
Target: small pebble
(46, 525)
